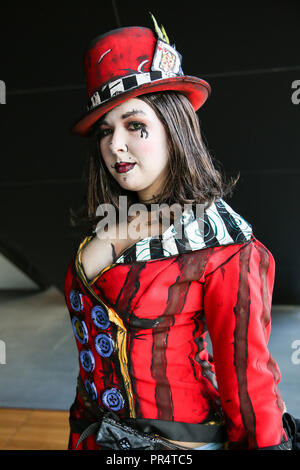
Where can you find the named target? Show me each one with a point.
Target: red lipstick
(124, 167)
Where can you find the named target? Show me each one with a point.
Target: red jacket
(140, 328)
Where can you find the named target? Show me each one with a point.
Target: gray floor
(41, 354)
(40, 358)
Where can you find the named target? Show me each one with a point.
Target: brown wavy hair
(193, 175)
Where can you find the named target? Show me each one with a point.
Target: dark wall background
(250, 56)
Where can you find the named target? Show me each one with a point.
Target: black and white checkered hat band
(124, 84)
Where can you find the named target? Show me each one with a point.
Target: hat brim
(195, 89)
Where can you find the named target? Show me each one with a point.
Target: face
(133, 143)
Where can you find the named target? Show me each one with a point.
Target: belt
(173, 430)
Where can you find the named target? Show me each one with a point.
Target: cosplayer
(141, 307)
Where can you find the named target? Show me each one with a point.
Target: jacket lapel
(217, 225)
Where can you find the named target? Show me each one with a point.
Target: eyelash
(140, 124)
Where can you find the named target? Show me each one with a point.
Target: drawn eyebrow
(126, 115)
(132, 113)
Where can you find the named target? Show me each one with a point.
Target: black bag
(292, 428)
(113, 434)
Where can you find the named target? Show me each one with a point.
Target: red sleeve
(237, 305)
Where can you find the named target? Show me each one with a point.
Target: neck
(147, 202)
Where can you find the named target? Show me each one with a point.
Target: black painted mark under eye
(144, 131)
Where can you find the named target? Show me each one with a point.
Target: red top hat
(132, 61)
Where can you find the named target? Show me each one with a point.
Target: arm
(237, 305)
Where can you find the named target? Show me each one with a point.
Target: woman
(142, 303)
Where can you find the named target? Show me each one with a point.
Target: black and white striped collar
(220, 225)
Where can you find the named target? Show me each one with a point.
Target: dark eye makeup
(132, 126)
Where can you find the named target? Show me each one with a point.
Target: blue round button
(100, 317)
(80, 330)
(104, 344)
(113, 399)
(91, 389)
(76, 300)
(87, 360)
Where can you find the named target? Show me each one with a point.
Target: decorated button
(100, 317)
(91, 389)
(112, 399)
(80, 330)
(104, 344)
(87, 360)
(76, 300)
